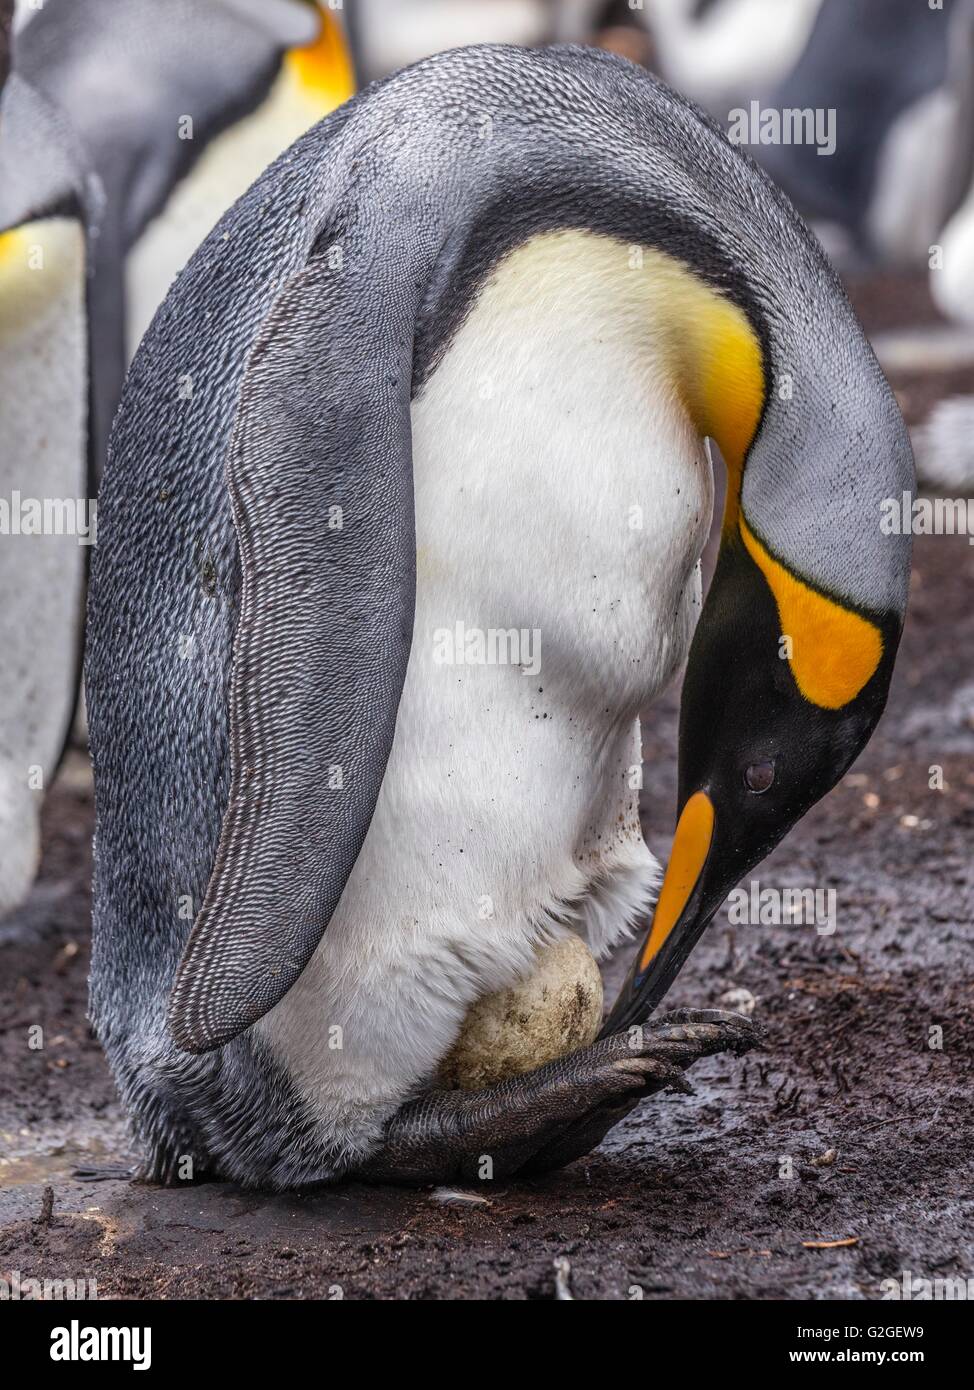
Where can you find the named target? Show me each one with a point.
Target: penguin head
(792, 658)
(764, 749)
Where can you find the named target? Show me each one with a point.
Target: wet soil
(854, 1124)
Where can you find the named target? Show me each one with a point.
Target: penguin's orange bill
(691, 845)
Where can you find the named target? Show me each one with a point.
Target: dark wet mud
(854, 1125)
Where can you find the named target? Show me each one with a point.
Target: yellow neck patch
(13, 247)
(719, 369)
(721, 377)
(37, 262)
(323, 69)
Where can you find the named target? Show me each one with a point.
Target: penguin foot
(544, 1119)
(110, 1172)
(683, 1036)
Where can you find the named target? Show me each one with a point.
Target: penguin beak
(687, 901)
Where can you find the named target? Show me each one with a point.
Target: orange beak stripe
(691, 846)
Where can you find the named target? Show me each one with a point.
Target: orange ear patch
(834, 651)
(324, 68)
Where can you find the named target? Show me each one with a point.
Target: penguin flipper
(320, 477)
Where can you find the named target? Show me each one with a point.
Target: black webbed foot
(548, 1117)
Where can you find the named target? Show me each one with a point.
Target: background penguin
(884, 67)
(99, 116)
(519, 340)
(952, 274)
(721, 52)
(391, 34)
(179, 106)
(48, 205)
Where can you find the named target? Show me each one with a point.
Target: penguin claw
(704, 1031)
(109, 1172)
(665, 1047)
(548, 1117)
(663, 1073)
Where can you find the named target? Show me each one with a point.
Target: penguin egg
(554, 1010)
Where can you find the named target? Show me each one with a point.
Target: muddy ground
(690, 1196)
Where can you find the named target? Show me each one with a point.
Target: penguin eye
(758, 777)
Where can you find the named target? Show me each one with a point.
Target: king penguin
(457, 355)
(952, 254)
(127, 132)
(880, 73)
(49, 203)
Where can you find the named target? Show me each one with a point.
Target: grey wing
(320, 475)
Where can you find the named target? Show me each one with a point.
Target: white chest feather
(562, 501)
(43, 478)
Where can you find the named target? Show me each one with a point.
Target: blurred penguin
(720, 52)
(125, 132)
(882, 66)
(179, 107)
(952, 259)
(49, 208)
(390, 34)
(880, 70)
